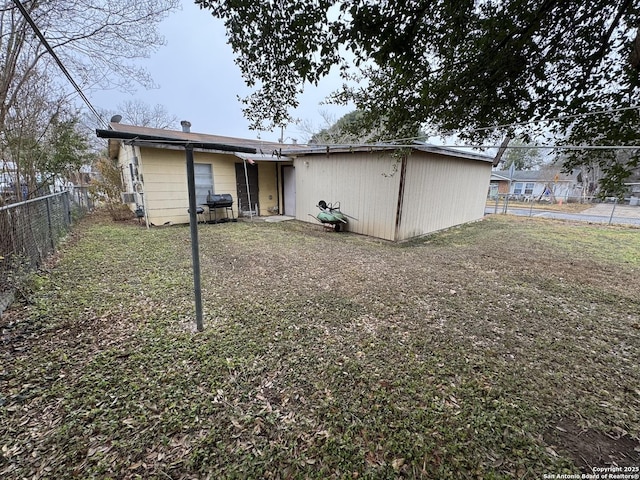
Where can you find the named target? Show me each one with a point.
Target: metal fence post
(51, 239)
(615, 202)
(23, 233)
(66, 205)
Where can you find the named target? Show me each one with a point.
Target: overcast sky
(199, 81)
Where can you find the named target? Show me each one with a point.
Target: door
(289, 189)
(250, 197)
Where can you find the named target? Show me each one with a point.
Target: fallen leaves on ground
(324, 355)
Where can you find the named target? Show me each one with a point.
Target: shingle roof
(269, 148)
(178, 135)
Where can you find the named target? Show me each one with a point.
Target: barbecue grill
(220, 201)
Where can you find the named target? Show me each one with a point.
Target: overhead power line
(530, 122)
(46, 45)
(554, 119)
(290, 148)
(523, 147)
(548, 147)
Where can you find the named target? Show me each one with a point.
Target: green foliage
(41, 136)
(20, 277)
(343, 129)
(107, 188)
(521, 156)
(461, 67)
(98, 42)
(616, 172)
(350, 128)
(70, 148)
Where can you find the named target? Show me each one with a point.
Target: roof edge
(327, 149)
(112, 134)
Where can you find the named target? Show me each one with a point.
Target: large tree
(137, 112)
(522, 156)
(41, 135)
(96, 41)
(348, 129)
(480, 69)
(132, 112)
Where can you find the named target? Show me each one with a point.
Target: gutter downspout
(246, 178)
(278, 188)
(403, 172)
(136, 181)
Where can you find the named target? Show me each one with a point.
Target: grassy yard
(506, 348)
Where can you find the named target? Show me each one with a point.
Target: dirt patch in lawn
(590, 448)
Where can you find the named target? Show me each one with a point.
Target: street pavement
(600, 213)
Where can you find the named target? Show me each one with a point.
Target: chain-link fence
(30, 232)
(587, 209)
(81, 200)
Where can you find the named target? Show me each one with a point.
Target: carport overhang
(157, 140)
(261, 157)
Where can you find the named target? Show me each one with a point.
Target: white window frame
(204, 181)
(528, 188)
(517, 188)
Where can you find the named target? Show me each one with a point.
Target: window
(528, 189)
(204, 181)
(517, 188)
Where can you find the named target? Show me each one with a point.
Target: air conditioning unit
(129, 197)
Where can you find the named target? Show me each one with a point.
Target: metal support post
(51, 239)
(193, 224)
(615, 202)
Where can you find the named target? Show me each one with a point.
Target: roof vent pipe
(186, 126)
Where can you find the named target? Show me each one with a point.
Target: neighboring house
(390, 193)
(543, 184)
(6, 184)
(8, 181)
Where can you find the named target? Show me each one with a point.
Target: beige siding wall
(441, 192)
(267, 195)
(165, 181)
(365, 184)
(224, 173)
(165, 185)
